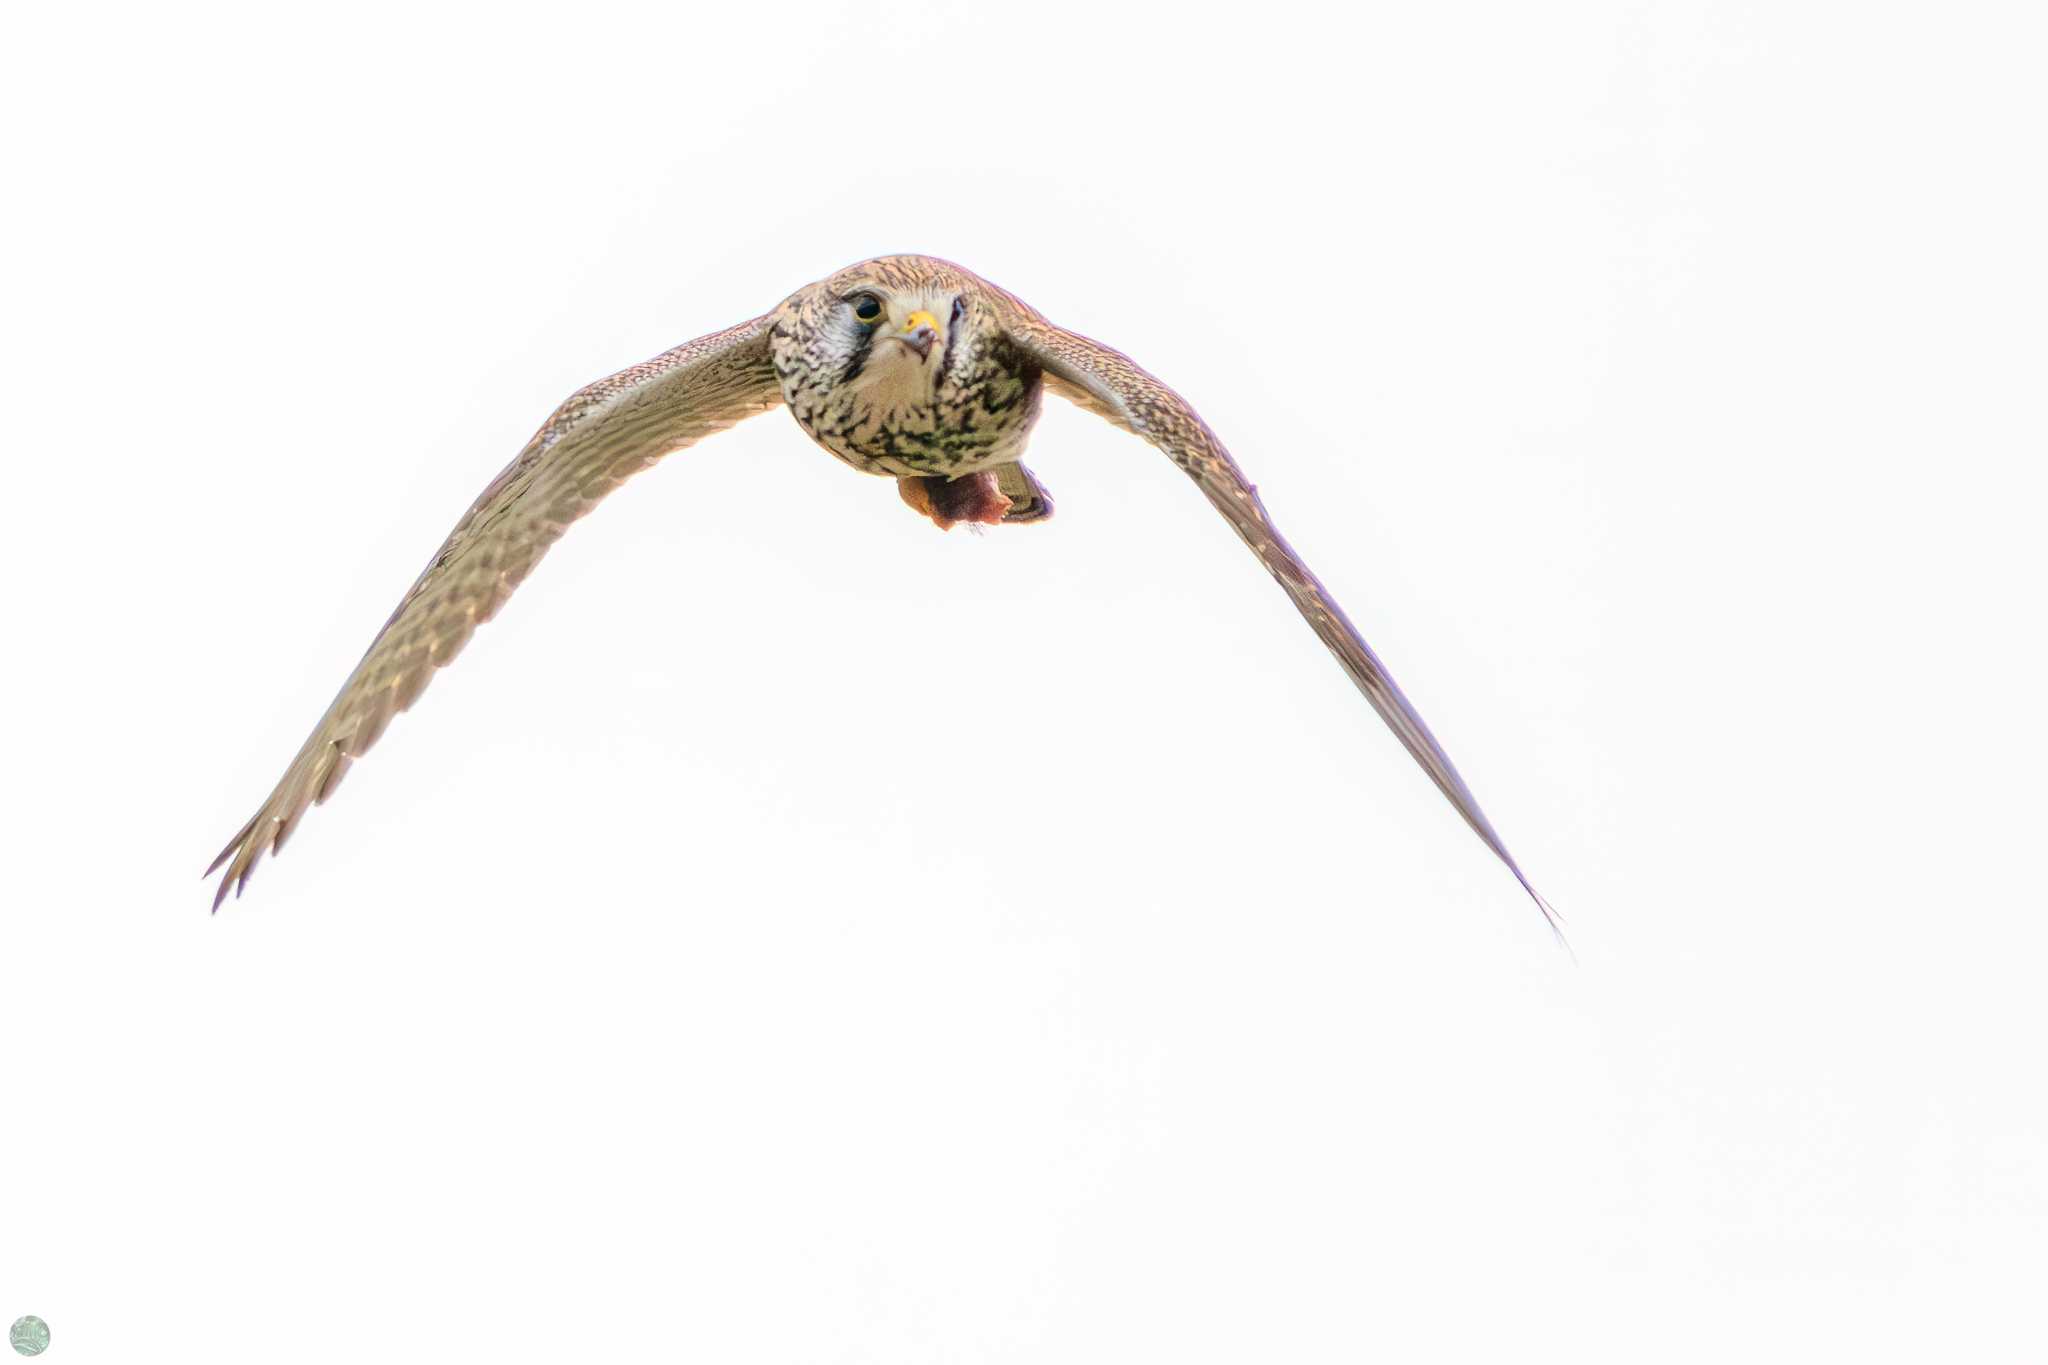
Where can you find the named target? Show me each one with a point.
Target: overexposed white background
(685, 979)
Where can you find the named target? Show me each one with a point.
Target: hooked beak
(920, 331)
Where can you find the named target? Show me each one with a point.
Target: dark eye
(867, 307)
(959, 307)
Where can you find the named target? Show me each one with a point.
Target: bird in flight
(904, 366)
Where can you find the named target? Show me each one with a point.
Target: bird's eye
(867, 308)
(959, 307)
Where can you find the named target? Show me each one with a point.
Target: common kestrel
(904, 366)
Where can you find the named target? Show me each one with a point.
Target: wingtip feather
(1550, 914)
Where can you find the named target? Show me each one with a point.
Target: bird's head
(901, 365)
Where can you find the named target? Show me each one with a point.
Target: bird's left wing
(1110, 384)
(605, 433)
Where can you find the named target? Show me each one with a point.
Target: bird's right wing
(605, 433)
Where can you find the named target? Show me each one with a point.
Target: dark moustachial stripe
(952, 338)
(861, 347)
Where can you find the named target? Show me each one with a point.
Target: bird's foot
(975, 499)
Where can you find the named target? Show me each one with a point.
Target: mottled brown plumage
(905, 366)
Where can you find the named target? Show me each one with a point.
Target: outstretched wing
(1108, 383)
(604, 434)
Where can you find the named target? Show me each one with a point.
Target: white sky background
(792, 934)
